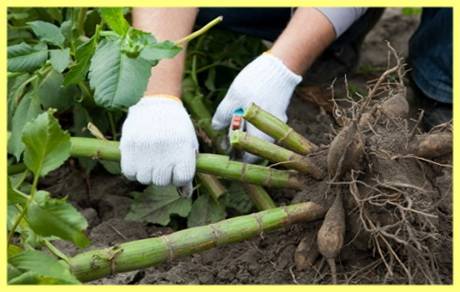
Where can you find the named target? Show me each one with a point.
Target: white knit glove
(158, 143)
(267, 82)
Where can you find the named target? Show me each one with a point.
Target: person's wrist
(163, 96)
(287, 60)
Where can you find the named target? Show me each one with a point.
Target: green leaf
(47, 217)
(135, 41)
(83, 55)
(156, 205)
(81, 118)
(12, 215)
(47, 145)
(60, 59)
(118, 80)
(47, 32)
(113, 167)
(211, 80)
(237, 199)
(13, 250)
(13, 195)
(115, 19)
(54, 13)
(38, 268)
(158, 51)
(18, 34)
(410, 11)
(53, 94)
(205, 210)
(25, 58)
(15, 90)
(88, 164)
(28, 109)
(66, 29)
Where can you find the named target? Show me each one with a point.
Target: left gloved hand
(267, 82)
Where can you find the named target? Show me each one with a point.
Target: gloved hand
(158, 143)
(265, 81)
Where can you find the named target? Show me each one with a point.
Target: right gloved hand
(158, 143)
(265, 81)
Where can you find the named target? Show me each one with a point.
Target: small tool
(237, 124)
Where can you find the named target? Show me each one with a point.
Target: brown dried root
(400, 229)
(345, 151)
(393, 201)
(431, 145)
(307, 251)
(331, 234)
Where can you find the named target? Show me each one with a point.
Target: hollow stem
(148, 252)
(280, 131)
(222, 166)
(215, 164)
(274, 153)
(212, 185)
(259, 197)
(200, 112)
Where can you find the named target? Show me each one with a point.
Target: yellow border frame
(181, 3)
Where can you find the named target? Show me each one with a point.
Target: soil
(268, 259)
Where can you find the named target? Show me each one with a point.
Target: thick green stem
(280, 131)
(95, 148)
(274, 153)
(148, 252)
(199, 111)
(214, 164)
(222, 166)
(259, 197)
(212, 185)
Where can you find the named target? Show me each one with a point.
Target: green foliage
(27, 110)
(47, 32)
(135, 41)
(53, 94)
(26, 58)
(14, 197)
(69, 67)
(156, 205)
(47, 216)
(47, 146)
(118, 80)
(158, 51)
(34, 267)
(15, 90)
(204, 211)
(409, 11)
(237, 199)
(115, 19)
(83, 55)
(222, 54)
(60, 59)
(113, 167)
